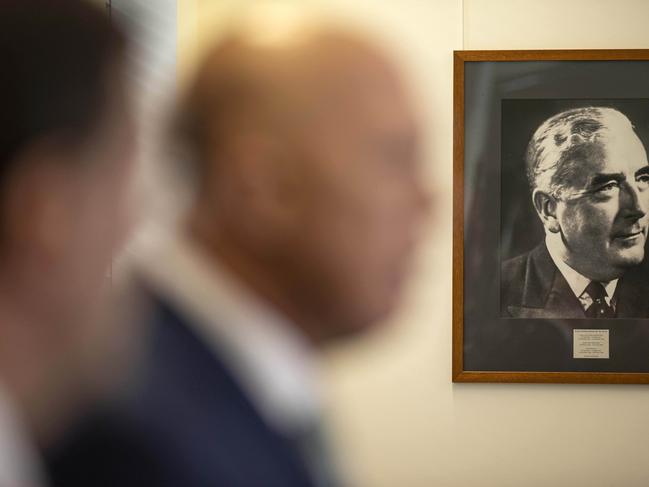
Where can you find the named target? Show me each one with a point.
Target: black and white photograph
(575, 198)
(551, 280)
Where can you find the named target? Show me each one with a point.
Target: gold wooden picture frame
(513, 112)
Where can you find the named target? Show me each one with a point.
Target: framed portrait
(551, 214)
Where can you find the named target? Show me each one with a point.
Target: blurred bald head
(251, 81)
(305, 148)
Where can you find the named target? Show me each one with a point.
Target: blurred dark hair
(56, 59)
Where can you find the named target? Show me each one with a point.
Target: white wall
(399, 420)
(555, 24)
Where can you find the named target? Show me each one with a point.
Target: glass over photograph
(551, 280)
(575, 197)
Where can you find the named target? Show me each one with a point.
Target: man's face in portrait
(602, 210)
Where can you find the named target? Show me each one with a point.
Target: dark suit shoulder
(529, 280)
(514, 269)
(184, 422)
(105, 450)
(512, 279)
(633, 294)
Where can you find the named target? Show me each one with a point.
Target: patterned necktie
(599, 308)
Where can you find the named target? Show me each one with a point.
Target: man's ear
(546, 207)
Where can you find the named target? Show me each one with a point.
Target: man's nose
(634, 202)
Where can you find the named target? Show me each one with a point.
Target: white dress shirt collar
(576, 281)
(268, 356)
(20, 465)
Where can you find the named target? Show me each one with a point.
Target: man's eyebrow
(602, 178)
(642, 171)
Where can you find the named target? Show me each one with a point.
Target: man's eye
(643, 181)
(610, 186)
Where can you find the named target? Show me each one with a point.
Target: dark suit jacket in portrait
(541, 313)
(533, 287)
(185, 422)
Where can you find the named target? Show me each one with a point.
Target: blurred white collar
(20, 464)
(268, 356)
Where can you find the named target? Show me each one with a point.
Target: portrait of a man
(553, 280)
(588, 177)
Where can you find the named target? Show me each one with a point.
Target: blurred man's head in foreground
(306, 156)
(66, 144)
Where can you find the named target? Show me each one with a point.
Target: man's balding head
(589, 176)
(255, 82)
(306, 150)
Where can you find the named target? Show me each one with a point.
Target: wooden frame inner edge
(458, 372)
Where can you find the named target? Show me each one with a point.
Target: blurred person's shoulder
(180, 417)
(19, 462)
(106, 449)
